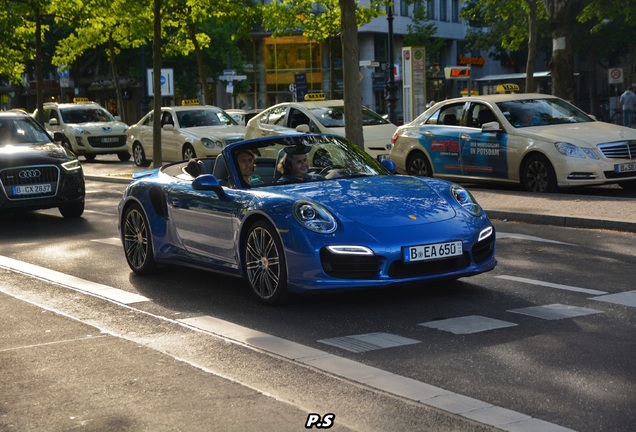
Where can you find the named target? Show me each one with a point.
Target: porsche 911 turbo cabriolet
(301, 213)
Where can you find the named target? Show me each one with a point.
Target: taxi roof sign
(188, 102)
(507, 88)
(315, 96)
(80, 100)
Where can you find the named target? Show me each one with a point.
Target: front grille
(107, 141)
(350, 266)
(29, 175)
(483, 249)
(400, 269)
(618, 150)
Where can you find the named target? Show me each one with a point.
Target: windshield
(333, 116)
(86, 115)
(302, 158)
(540, 112)
(203, 117)
(21, 130)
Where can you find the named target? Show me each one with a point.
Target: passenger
(246, 160)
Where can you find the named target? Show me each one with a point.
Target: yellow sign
(315, 96)
(507, 88)
(188, 102)
(80, 100)
(472, 92)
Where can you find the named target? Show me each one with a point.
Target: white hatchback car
(539, 141)
(186, 132)
(321, 116)
(88, 128)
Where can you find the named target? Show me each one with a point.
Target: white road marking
(105, 291)
(552, 285)
(467, 324)
(504, 235)
(368, 342)
(625, 298)
(555, 311)
(100, 213)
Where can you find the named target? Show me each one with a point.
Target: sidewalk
(563, 209)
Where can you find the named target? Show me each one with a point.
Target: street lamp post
(391, 97)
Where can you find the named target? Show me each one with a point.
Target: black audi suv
(35, 172)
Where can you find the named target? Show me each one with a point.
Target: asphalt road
(94, 347)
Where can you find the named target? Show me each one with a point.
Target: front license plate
(626, 167)
(32, 189)
(110, 139)
(432, 251)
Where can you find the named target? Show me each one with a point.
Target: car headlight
(568, 149)
(465, 199)
(79, 131)
(314, 217)
(73, 165)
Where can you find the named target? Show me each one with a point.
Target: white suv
(88, 129)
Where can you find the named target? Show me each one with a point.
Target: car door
(439, 135)
(484, 152)
(204, 222)
(274, 122)
(145, 134)
(171, 141)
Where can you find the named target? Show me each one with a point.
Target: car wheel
(90, 157)
(138, 241)
(188, 152)
(537, 175)
(72, 210)
(419, 165)
(264, 263)
(123, 156)
(629, 185)
(139, 156)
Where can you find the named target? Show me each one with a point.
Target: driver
(294, 165)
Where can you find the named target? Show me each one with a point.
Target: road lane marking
(398, 385)
(78, 284)
(625, 298)
(369, 342)
(555, 311)
(551, 285)
(467, 324)
(504, 235)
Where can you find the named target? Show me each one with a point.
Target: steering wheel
(325, 170)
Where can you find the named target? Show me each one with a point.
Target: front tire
(264, 263)
(138, 241)
(537, 175)
(418, 165)
(139, 156)
(72, 210)
(123, 156)
(90, 157)
(188, 152)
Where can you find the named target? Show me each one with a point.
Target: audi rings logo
(29, 173)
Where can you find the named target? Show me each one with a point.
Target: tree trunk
(39, 75)
(207, 98)
(156, 87)
(351, 70)
(121, 108)
(562, 15)
(532, 45)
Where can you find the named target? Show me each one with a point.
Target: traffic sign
(615, 76)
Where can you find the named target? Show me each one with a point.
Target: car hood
(581, 134)
(223, 131)
(101, 127)
(378, 201)
(14, 155)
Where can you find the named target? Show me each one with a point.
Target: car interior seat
(485, 116)
(195, 168)
(450, 119)
(220, 170)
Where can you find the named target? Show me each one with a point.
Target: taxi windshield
(333, 116)
(86, 115)
(541, 112)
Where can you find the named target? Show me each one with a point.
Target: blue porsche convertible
(292, 214)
